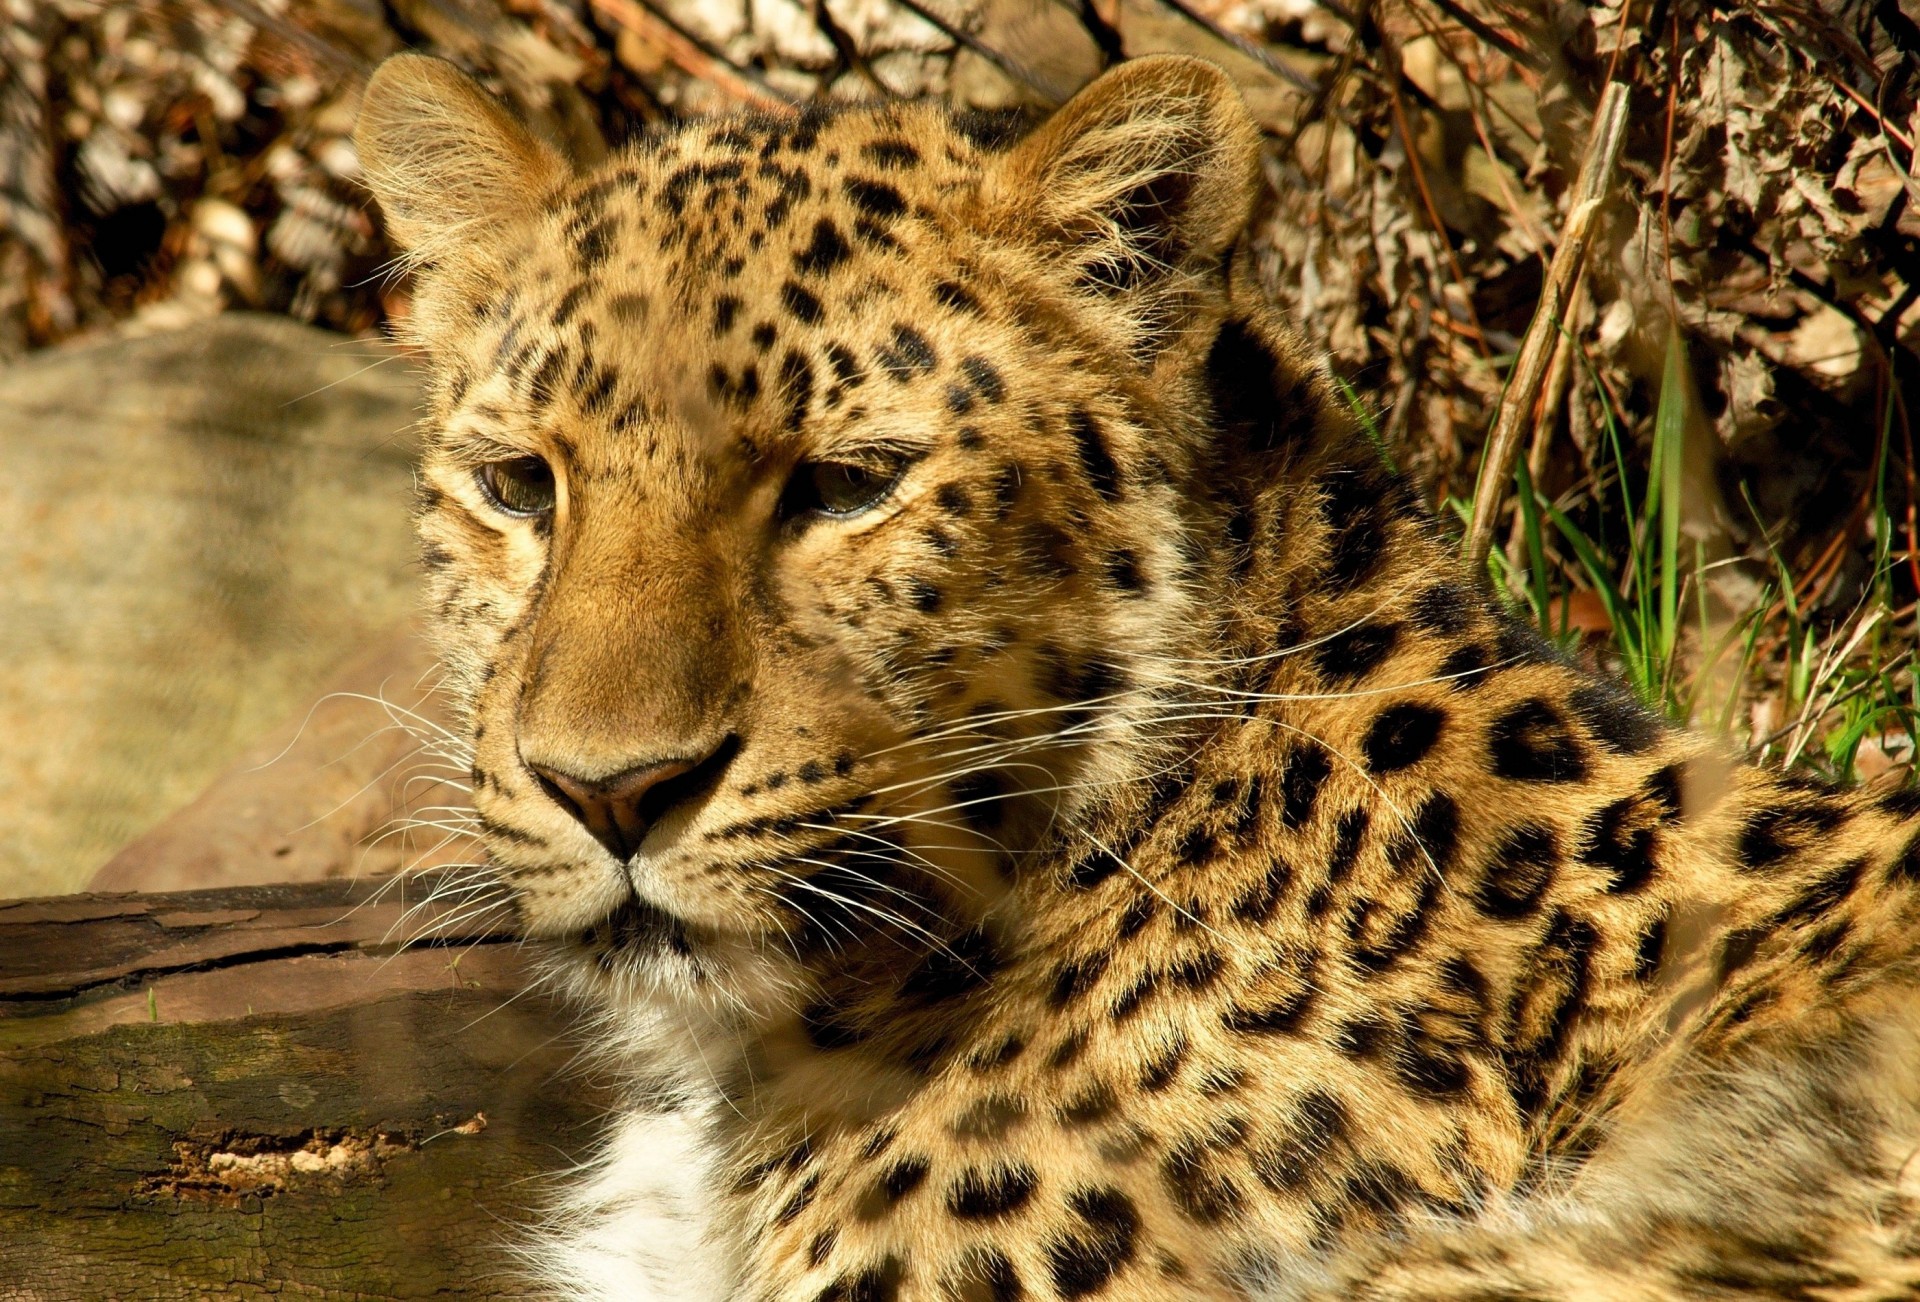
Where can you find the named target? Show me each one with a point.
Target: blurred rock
(202, 527)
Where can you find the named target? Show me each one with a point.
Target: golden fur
(1129, 857)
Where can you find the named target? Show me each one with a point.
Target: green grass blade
(1369, 425)
(1664, 488)
(1537, 593)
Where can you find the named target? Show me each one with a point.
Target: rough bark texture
(261, 1091)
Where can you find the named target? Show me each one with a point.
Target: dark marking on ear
(991, 130)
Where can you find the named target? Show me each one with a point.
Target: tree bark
(263, 1090)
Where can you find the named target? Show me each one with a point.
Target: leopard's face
(806, 525)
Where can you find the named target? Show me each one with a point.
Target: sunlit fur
(1138, 861)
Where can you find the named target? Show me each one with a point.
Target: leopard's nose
(619, 809)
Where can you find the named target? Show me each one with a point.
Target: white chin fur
(639, 1228)
(638, 1222)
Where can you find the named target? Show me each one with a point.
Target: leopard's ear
(443, 157)
(1143, 181)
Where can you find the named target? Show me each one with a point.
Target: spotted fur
(1130, 858)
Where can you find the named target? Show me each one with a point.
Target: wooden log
(263, 1091)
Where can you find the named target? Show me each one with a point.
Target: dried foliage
(160, 160)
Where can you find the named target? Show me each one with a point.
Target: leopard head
(813, 504)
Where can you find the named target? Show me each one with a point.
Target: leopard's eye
(839, 487)
(522, 486)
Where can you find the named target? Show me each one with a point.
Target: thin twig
(1536, 350)
(1546, 411)
(1532, 60)
(689, 54)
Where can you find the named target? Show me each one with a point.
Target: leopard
(1030, 805)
